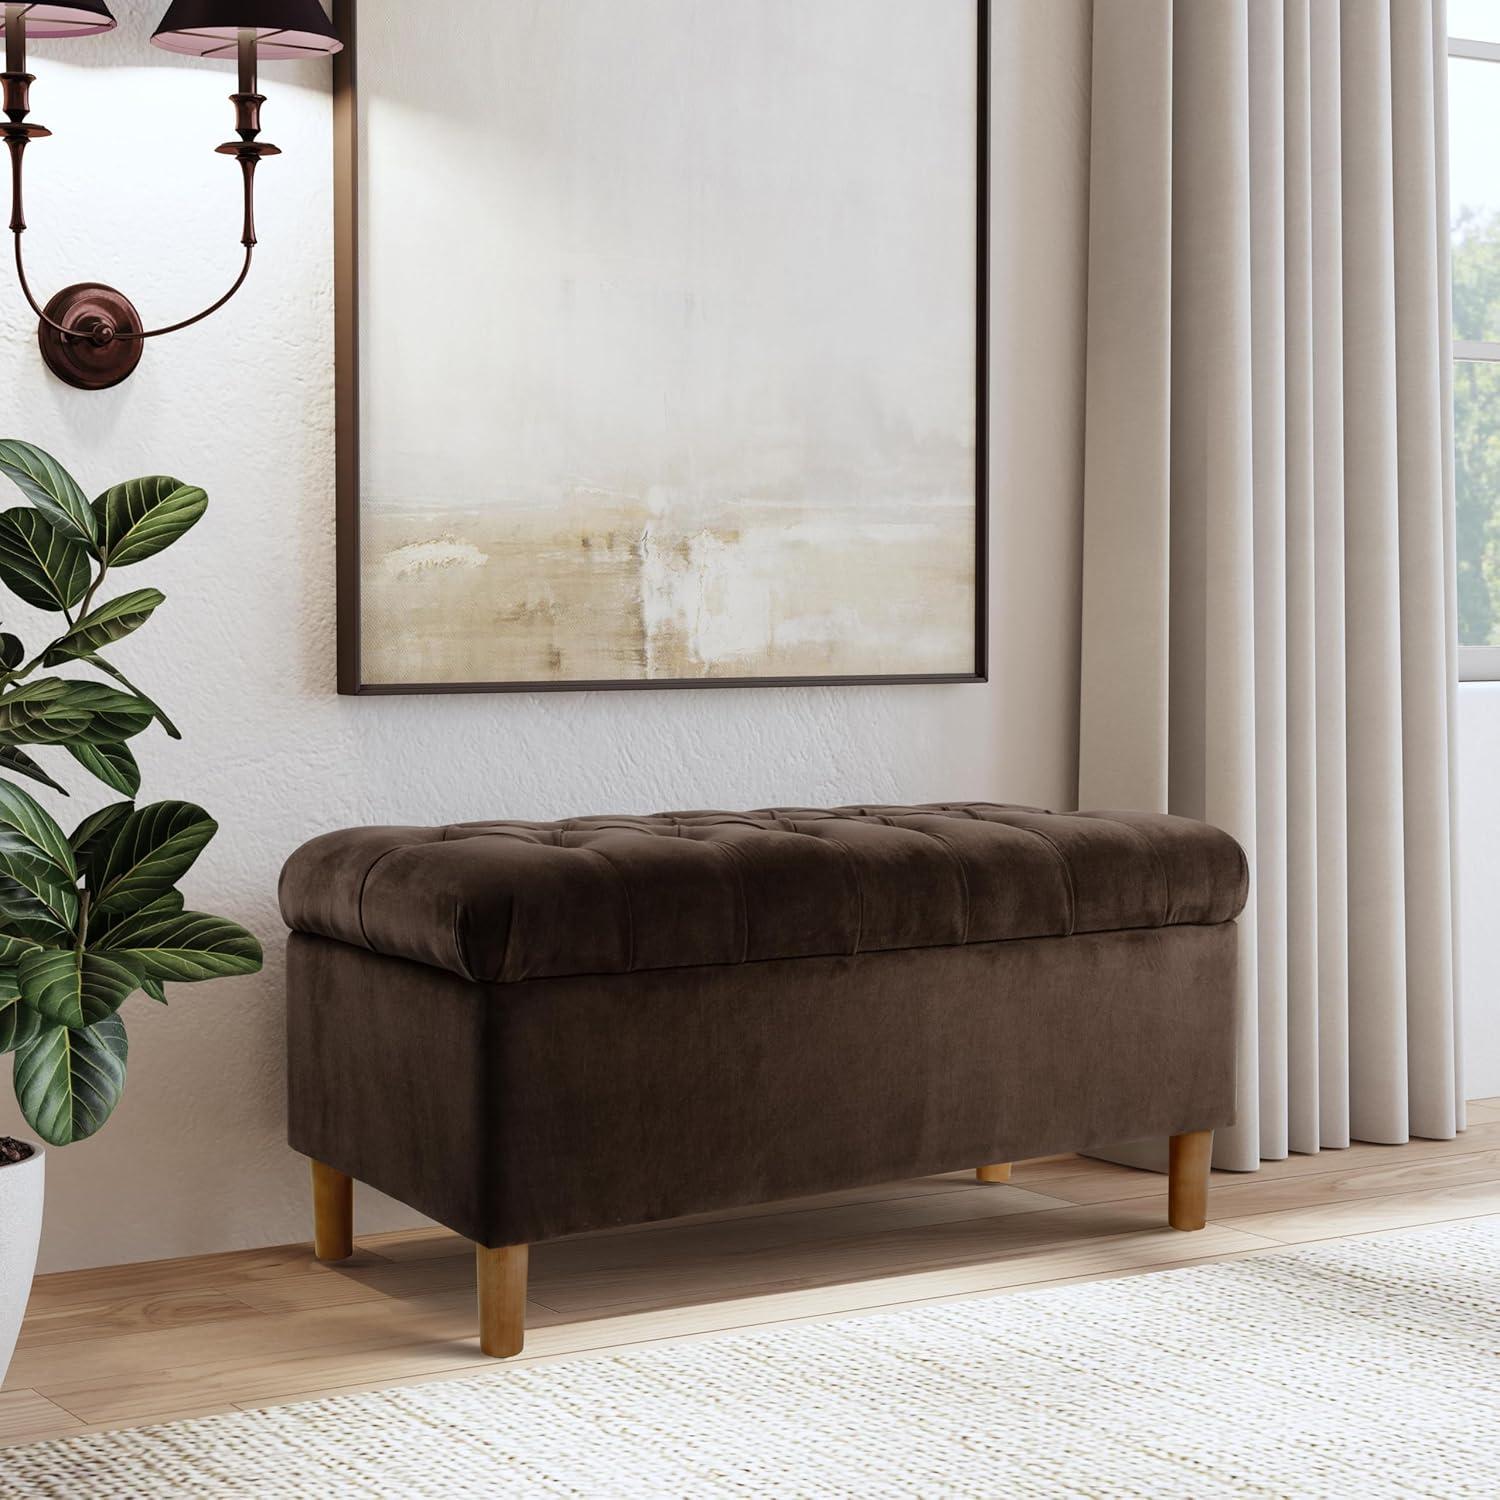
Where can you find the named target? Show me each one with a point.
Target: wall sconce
(91, 335)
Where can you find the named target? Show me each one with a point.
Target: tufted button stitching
(376, 907)
(629, 910)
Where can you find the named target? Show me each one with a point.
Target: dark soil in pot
(12, 1151)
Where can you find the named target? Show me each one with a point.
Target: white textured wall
(242, 655)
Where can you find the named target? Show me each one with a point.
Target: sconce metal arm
(17, 144)
(18, 134)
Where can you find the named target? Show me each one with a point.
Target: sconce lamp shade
(76, 18)
(211, 28)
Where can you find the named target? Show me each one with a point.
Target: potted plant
(87, 918)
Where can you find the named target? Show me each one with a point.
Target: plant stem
(93, 589)
(8, 678)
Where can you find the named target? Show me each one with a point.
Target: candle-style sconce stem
(90, 334)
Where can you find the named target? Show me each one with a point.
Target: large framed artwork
(661, 343)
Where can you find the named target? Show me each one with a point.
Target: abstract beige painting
(671, 354)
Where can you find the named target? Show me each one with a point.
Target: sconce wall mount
(91, 335)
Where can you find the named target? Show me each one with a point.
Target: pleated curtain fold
(1268, 577)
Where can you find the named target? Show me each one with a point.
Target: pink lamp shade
(211, 28)
(79, 18)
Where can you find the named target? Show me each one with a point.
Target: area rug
(1365, 1368)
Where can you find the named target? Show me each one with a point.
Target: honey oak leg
(333, 1213)
(501, 1277)
(1187, 1179)
(996, 1172)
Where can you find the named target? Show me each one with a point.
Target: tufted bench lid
(510, 901)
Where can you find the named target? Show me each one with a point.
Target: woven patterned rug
(1359, 1369)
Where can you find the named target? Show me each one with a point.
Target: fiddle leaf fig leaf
(124, 681)
(186, 946)
(69, 989)
(49, 487)
(52, 985)
(19, 938)
(19, 763)
(169, 903)
(38, 877)
(34, 893)
(68, 1081)
(90, 841)
(137, 519)
(152, 849)
(34, 714)
(46, 567)
(18, 1022)
(99, 627)
(27, 830)
(57, 710)
(114, 765)
(87, 920)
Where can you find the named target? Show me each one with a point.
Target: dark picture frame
(346, 144)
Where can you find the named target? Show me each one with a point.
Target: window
(1474, 128)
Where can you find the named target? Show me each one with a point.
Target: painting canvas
(670, 343)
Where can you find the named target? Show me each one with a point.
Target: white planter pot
(20, 1234)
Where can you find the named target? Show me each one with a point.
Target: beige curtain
(1268, 633)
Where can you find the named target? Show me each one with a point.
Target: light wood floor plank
(417, 1244)
(51, 1320)
(167, 1340)
(1392, 1211)
(27, 1417)
(446, 1343)
(1083, 1180)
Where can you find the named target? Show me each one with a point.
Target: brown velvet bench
(527, 1030)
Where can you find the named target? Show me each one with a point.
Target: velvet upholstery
(512, 901)
(530, 1030)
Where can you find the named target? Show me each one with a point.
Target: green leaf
(35, 714)
(49, 487)
(169, 903)
(19, 938)
(120, 677)
(155, 989)
(55, 710)
(114, 765)
(19, 763)
(27, 829)
(68, 1082)
(40, 564)
(12, 652)
(28, 895)
(32, 893)
(18, 1022)
(137, 519)
(67, 990)
(186, 946)
(151, 851)
(99, 627)
(38, 876)
(90, 841)
(52, 985)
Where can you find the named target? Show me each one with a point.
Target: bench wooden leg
(996, 1172)
(501, 1277)
(1187, 1179)
(333, 1213)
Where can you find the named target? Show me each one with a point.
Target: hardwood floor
(133, 1344)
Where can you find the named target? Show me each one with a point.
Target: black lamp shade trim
(76, 18)
(211, 28)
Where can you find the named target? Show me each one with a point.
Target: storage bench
(527, 1030)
